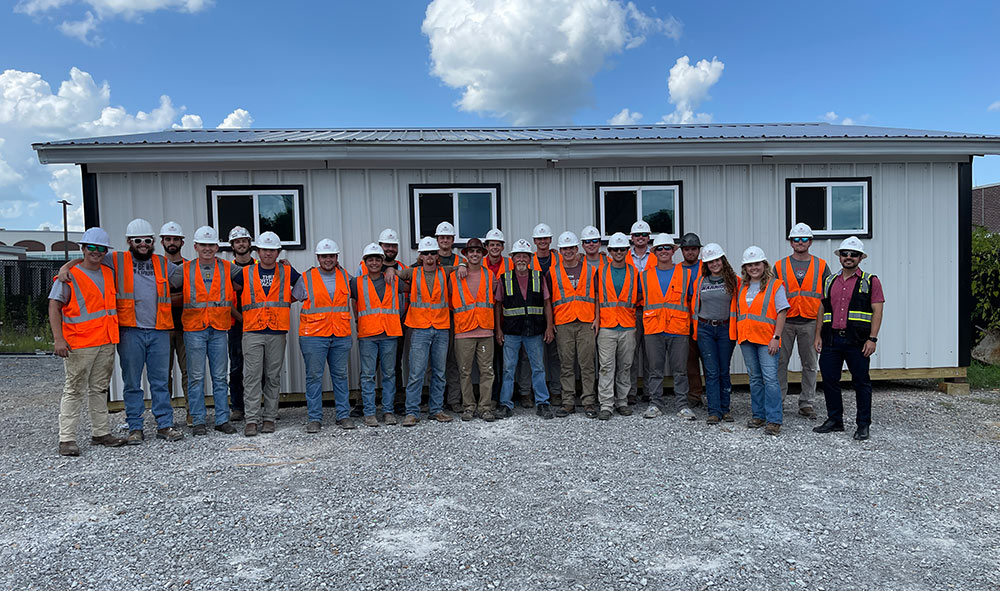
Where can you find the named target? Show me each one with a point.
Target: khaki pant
(88, 378)
(479, 351)
(576, 342)
(177, 349)
(616, 349)
(263, 359)
(804, 334)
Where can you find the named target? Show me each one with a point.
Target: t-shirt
(799, 269)
(780, 298)
(61, 291)
(144, 286)
(494, 267)
(573, 273)
(713, 300)
(664, 276)
(545, 263)
(691, 273)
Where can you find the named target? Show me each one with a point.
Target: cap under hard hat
(711, 251)
(239, 232)
(324, 246)
(542, 231)
(800, 230)
(97, 237)
(388, 236)
(373, 250)
(444, 229)
(428, 244)
(640, 227)
(690, 239)
(590, 233)
(268, 240)
(206, 235)
(138, 227)
(852, 243)
(521, 246)
(663, 240)
(171, 229)
(495, 234)
(753, 254)
(618, 240)
(568, 240)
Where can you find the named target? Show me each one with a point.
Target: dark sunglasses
(592, 241)
(95, 248)
(617, 249)
(641, 235)
(801, 239)
(662, 248)
(141, 240)
(850, 254)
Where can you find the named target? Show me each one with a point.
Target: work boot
(713, 420)
(198, 430)
(237, 415)
(226, 428)
(591, 411)
(561, 412)
(468, 414)
(346, 424)
(487, 415)
(772, 428)
(604, 415)
(504, 412)
(457, 408)
(755, 423)
(69, 448)
(313, 427)
(267, 427)
(527, 402)
(135, 437)
(389, 419)
(625, 411)
(170, 434)
(728, 418)
(409, 421)
(442, 417)
(250, 430)
(371, 421)
(808, 412)
(544, 411)
(108, 440)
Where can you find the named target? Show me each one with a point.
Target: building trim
(965, 263)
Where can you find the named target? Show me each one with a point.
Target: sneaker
(389, 419)
(652, 412)
(808, 412)
(237, 415)
(544, 411)
(267, 427)
(728, 418)
(409, 420)
(591, 411)
(487, 415)
(313, 426)
(713, 420)
(371, 421)
(625, 411)
(250, 430)
(772, 428)
(687, 414)
(604, 415)
(442, 417)
(346, 424)
(69, 448)
(226, 428)
(108, 440)
(755, 423)
(468, 414)
(504, 412)
(170, 434)
(198, 430)
(135, 437)
(561, 412)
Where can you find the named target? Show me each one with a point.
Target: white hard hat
(268, 240)
(138, 227)
(444, 229)
(711, 251)
(753, 254)
(428, 244)
(567, 240)
(800, 230)
(520, 246)
(239, 232)
(97, 237)
(590, 233)
(542, 231)
(373, 249)
(852, 243)
(663, 240)
(171, 229)
(388, 236)
(618, 240)
(324, 246)
(494, 234)
(639, 227)
(206, 235)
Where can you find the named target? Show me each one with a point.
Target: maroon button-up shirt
(842, 288)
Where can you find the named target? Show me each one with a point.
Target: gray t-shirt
(713, 299)
(61, 291)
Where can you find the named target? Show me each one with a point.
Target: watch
(873, 339)
(776, 337)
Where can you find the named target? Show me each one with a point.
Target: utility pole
(65, 204)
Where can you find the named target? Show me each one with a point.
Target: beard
(140, 256)
(172, 249)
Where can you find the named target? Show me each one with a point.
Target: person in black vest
(523, 318)
(847, 328)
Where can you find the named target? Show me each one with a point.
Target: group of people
(539, 316)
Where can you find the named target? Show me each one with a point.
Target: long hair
(763, 278)
(728, 275)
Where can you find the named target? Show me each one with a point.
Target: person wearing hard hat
(574, 295)
(803, 275)
(641, 258)
(172, 241)
(760, 310)
(619, 298)
(325, 332)
(543, 260)
(498, 265)
(590, 237)
(240, 241)
(265, 298)
(523, 318)
(206, 285)
(471, 299)
(430, 323)
(848, 324)
(714, 291)
(448, 260)
(666, 320)
(84, 322)
(690, 245)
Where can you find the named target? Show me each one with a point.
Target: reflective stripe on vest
(394, 309)
(605, 277)
(417, 301)
(308, 308)
(94, 324)
(857, 315)
(536, 282)
(194, 272)
(466, 305)
(670, 306)
(85, 314)
(255, 279)
(762, 317)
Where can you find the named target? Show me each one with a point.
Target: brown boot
(69, 448)
(772, 428)
(250, 430)
(409, 420)
(267, 427)
(442, 417)
(108, 440)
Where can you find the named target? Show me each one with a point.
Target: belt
(840, 333)
(714, 322)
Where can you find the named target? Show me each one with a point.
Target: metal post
(65, 230)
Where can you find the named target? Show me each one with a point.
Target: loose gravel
(571, 503)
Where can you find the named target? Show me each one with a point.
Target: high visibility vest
(90, 317)
(537, 265)
(573, 304)
(665, 312)
(125, 290)
(428, 310)
(207, 308)
(618, 309)
(650, 259)
(756, 322)
(803, 298)
(696, 297)
(505, 265)
(859, 310)
(266, 311)
(377, 316)
(472, 312)
(523, 315)
(321, 314)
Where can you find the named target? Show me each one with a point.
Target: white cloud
(82, 29)
(86, 27)
(625, 117)
(190, 122)
(688, 86)
(994, 107)
(833, 117)
(238, 119)
(531, 62)
(830, 116)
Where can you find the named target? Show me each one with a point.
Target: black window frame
(866, 181)
(639, 185)
(416, 188)
(300, 191)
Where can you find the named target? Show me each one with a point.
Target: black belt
(714, 322)
(840, 333)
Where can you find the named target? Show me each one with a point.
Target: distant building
(41, 244)
(986, 206)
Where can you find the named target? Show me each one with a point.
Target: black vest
(859, 311)
(523, 317)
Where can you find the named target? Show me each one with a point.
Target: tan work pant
(263, 359)
(616, 349)
(479, 351)
(88, 378)
(804, 334)
(576, 342)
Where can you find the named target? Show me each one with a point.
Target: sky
(81, 68)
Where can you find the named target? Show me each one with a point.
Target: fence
(24, 293)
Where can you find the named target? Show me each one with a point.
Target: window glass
(475, 214)
(234, 210)
(658, 210)
(277, 214)
(619, 211)
(434, 209)
(847, 208)
(810, 206)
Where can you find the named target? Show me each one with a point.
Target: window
(621, 204)
(473, 209)
(259, 209)
(833, 208)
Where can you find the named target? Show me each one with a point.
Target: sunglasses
(662, 248)
(141, 240)
(850, 254)
(592, 241)
(95, 248)
(801, 239)
(642, 235)
(617, 249)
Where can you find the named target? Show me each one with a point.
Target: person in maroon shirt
(847, 327)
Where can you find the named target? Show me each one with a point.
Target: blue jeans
(716, 349)
(149, 348)
(765, 391)
(318, 352)
(215, 345)
(384, 351)
(534, 347)
(432, 344)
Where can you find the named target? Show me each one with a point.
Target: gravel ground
(517, 504)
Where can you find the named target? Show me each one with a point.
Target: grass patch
(983, 376)
(25, 342)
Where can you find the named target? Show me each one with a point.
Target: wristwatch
(873, 339)
(776, 337)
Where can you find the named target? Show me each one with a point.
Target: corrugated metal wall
(913, 249)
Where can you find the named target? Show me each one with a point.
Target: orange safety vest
(472, 312)
(271, 310)
(665, 312)
(211, 308)
(573, 304)
(803, 298)
(756, 322)
(537, 266)
(505, 265)
(428, 310)
(618, 309)
(697, 295)
(321, 315)
(378, 316)
(90, 317)
(125, 291)
(650, 259)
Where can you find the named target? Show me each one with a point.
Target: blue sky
(409, 63)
